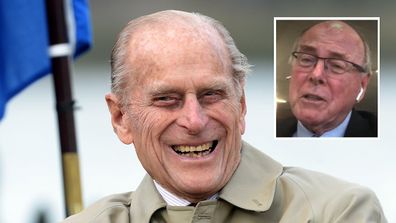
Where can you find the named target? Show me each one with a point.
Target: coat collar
(252, 187)
(146, 200)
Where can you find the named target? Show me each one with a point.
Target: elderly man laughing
(178, 97)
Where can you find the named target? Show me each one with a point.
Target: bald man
(178, 97)
(330, 71)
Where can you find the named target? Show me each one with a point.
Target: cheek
(295, 83)
(229, 114)
(343, 91)
(147, 128)
(147, 125)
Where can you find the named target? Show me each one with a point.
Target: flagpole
(60, 52)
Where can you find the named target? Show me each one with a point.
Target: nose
(193, 117)
(317, 73)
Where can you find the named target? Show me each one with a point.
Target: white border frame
(378, 19)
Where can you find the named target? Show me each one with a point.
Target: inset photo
(327, 76)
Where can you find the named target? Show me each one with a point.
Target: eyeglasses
(334, 65)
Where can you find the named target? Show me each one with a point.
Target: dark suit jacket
(361, 124)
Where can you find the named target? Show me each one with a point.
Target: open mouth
(313, 97)
(195, 151)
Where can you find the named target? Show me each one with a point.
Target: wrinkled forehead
(335, 39)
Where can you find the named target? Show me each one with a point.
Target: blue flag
(24, 42)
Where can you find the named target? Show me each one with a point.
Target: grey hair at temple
(121, 70)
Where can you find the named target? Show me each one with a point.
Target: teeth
(188, 149)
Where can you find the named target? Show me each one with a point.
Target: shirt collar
(252, 187)
(339, 131)
(174, 200)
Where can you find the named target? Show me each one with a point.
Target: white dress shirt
(174, 200)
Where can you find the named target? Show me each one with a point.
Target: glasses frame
(356, 66)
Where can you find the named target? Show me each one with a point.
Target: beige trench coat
(260, 191)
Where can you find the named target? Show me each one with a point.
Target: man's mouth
(195, 151)
(313, 97)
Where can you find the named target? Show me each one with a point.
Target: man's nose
(317, 73)
(193, 117)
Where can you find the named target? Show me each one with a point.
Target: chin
(202, 186)
(309, 115)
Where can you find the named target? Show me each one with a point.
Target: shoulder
(332, 199)
(362, 124)
(114, 208)
(286, 123)
(315, 183)
(286, 127)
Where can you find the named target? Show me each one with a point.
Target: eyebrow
(161, 89)
(164, 89)
(310, 49)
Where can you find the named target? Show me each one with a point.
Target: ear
(119, 119)
(363, 84)
(242, 122)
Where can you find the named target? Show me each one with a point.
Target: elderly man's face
(185, 115)
(318, 99)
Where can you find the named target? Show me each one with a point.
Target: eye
(212, 96)
(306, 60)
(166, 100)
(337, 66)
